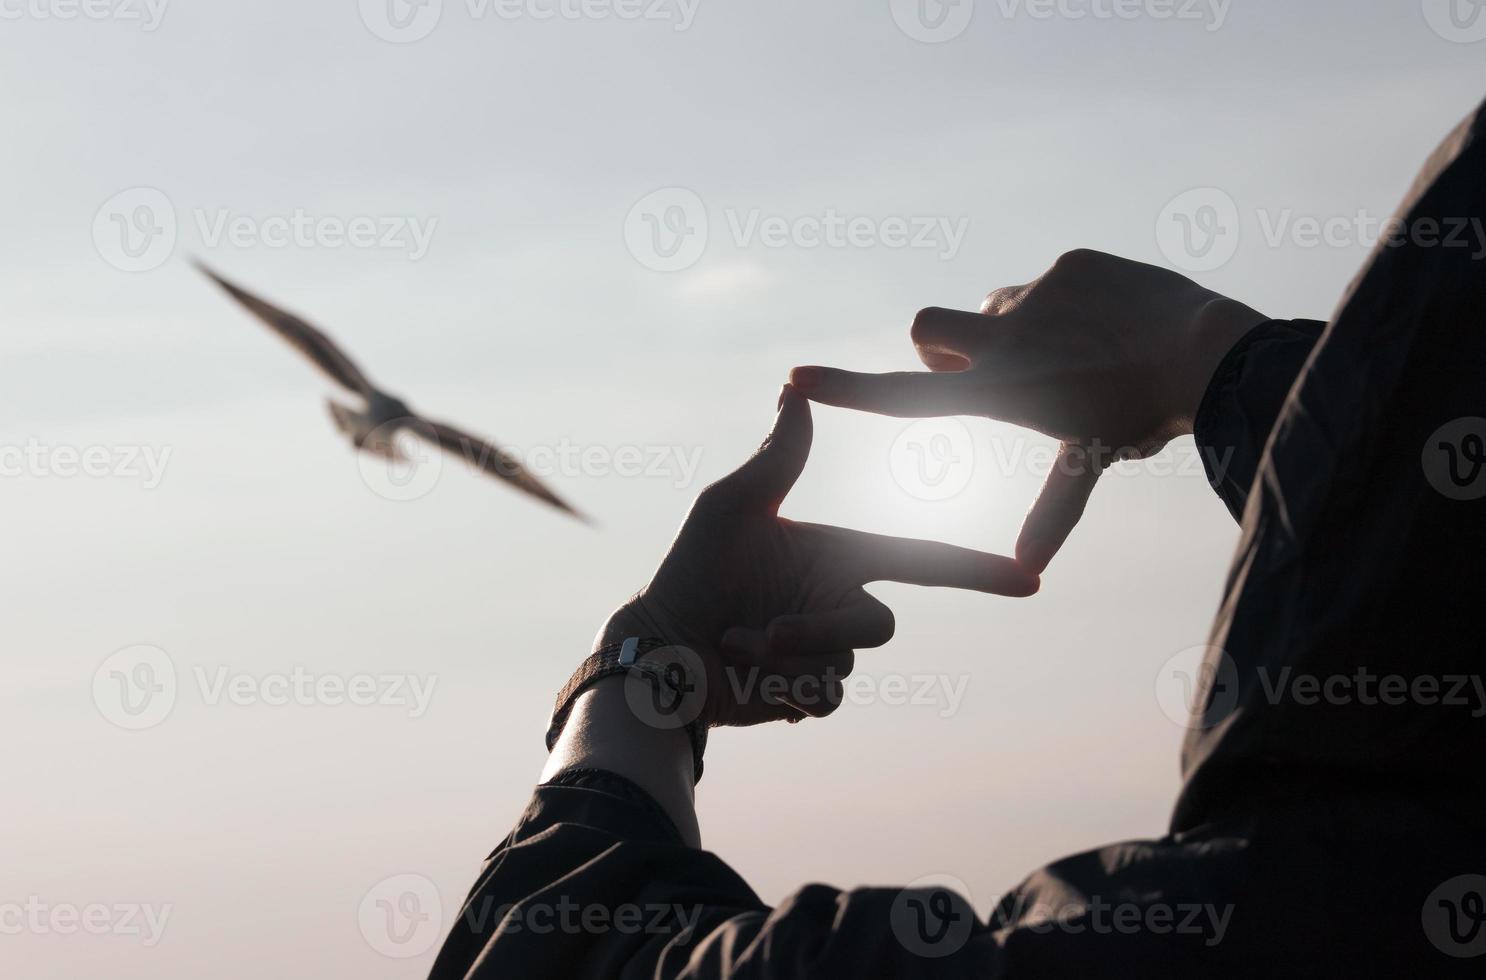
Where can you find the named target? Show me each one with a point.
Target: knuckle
(1003, 300)
(1078, 461)
(833, 692)
(887, 626)
(715, 498)
(1077, 259)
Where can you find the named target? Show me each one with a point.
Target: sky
(267, 708)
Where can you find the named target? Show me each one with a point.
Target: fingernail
(807, 379)
(783, 394)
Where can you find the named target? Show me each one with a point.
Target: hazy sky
(482, 205)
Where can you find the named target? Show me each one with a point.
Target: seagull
(372, 429)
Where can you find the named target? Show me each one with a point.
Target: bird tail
(345, 418)
(378, 442)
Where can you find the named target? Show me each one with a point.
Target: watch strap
(624, 657)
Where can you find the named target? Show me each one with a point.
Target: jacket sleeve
(595, 882)
(1243, 401)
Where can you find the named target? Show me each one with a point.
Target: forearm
(603, 733)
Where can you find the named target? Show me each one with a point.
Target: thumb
(767, 478)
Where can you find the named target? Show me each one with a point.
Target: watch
(665, 688)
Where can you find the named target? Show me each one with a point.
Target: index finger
(904, 394)
(884, 558)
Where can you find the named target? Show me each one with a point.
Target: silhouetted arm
(761, 615)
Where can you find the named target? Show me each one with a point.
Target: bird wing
(309, 341)
(493, 460)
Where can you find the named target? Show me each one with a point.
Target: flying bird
(373, 427)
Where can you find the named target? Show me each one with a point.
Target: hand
(755, 594)
(1108, 355)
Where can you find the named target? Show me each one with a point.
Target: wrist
(1218, 324)
(665, 686)
(604, 733)
(708, 703)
